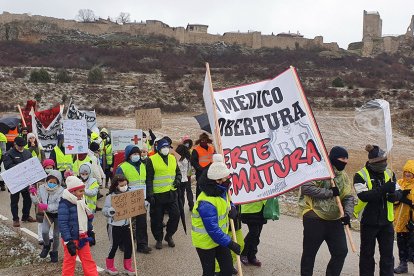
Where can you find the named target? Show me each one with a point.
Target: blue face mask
(135, 158)
(51, 185)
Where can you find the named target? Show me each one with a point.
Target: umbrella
(202, 120)
(181, 208)
(7, 123)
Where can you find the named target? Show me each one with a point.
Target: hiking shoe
(144, 250)
(41, 242)
(53, 256)
(29, 219)
(402, 268)
(255, 262)
(45, 251)
(16, 223)
(158, 245)
(170, 241)
(244, 260)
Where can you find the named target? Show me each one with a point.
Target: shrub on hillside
(338, 82)
(40, 76)
(63, 76)
(95, 75)
(195, 86)
(19, 73)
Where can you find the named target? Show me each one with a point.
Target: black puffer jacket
(14, 157)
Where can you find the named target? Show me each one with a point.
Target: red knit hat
(48, 162)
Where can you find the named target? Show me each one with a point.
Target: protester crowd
(66, 204)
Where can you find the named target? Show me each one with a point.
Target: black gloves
(151, 200)
(392, 197)
(388, 187)
(91, 235)
(346, 220)
(335, 191)
(233, 212)
(405, 200)
(71, 248)
(235, 247)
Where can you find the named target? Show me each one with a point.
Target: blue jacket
(68, 221)
(208, 212)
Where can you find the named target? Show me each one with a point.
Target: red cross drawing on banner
(70, 147)
(136, 139)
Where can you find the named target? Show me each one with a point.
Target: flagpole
(133, 246)
(219, 148)
(21, 115)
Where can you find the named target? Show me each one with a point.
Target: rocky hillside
(145, 71)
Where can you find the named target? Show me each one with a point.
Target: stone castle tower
(372, 25)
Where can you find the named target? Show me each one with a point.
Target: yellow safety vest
(107, 150)
(3, 139)
(200, 237)
(63, 161)
(33, 153)
(252, 208)
(134, 178)
(78, 163)
(163, 175)
(361, 204)
(91, 200)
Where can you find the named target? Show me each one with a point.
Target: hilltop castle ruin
(24, 27)
(374, 43)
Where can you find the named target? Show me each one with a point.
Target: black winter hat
(134, 150)
(338, 152)
(94, 146)
(20, 141)
(375, 154)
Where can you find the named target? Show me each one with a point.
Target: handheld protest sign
(122, 138)
(23, 175)
(148, 118)
(128, 204)
(75, 136)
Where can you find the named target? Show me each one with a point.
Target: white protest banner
(23, 175)
(74, 113)
(122, 138)
(128, 204)
(75, 136)
(269, 137)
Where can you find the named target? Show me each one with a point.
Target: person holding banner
(75, 225)
(118, 230)
(47, 200)
(163, 178)
(202, 156)
(322, 220)
(34, 147)
(375, 188)
(210, 220)
(63, 161)
(404, 226)
(14, 156)
(134, 170)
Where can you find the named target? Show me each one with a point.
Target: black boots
(45, 251)
(169, 240)
(53, 256)
(402, 268)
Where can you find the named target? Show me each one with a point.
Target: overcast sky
(337, 21)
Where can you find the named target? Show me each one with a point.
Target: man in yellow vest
(375, 188)
(322, 221)
(163, 176)
(201, 156)
(3, 142)
(135, 172)
(210, 220)
(63, 161)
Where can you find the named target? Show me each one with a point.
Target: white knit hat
(30, 135)
(218, 168)
(73, 183)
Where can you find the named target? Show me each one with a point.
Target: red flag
(47, 116)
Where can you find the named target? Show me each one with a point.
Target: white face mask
(48, 171)
(123, 188)
(165, 151)
(144, 157)
(135, 158)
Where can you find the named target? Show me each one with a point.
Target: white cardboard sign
(122, 138)
(75, 136)
(23, 175)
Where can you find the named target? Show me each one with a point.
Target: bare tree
(123, 18)
(86, 15)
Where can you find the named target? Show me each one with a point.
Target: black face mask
(378, 167)
(226, 183)
(338, 164)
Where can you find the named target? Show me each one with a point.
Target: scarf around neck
(83, 210)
